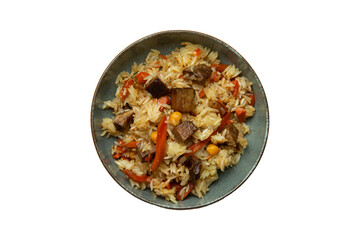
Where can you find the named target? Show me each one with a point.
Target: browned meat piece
(199, 73)
(123, 121)
(231, 135)
(218, 106)
(144, 153)
(183, 100)
(184, 130)
(157, 88)
(194, 165)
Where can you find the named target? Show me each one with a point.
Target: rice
(173, 179)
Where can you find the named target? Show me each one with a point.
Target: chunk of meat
(123, 120)
(184, 130)
(183, 100)
(199, 73)
(143, 150)
(231, 135)
(157, 88)
(217, 105)
(194, 165)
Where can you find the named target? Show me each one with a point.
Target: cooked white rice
(148, 113)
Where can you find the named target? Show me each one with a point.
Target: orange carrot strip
(220, 67)
(137, 178)
(140, 77)
(240, 113)
(131, 144)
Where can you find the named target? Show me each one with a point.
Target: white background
(53, 185)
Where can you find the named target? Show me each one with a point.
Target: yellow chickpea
(153, 136)
(212, 149)
(175, 118)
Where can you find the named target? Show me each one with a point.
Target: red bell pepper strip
(240, 113)
(236, 88)
(140, 77)
(197, 146)
(137, 178)
(180, 196)
(160, 144)
(125, 89)
(197, 52)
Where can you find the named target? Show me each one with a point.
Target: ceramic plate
(229, 180)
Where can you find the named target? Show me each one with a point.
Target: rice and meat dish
(178, 118)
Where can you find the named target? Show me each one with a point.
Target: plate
(229, 180)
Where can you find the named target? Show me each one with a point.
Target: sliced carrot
(220, 67)
(197, 146)
(160, 144)
(240, 113)
(168, 185)
(120, 149)
(116, 155)
(131, 144)
(140, 77)
(128, 145)
(137, 178)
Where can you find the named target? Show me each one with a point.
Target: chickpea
(212, 149)
(154, 136)
(175, 118)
